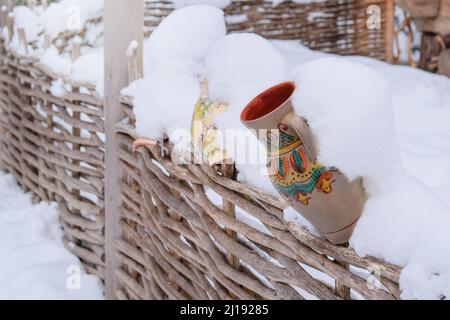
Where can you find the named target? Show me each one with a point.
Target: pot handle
(304, 132)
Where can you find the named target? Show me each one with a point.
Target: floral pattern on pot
(291, 171)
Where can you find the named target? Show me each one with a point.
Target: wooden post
(10, 26)
(390, 21)
(47, 41)
(444, 63)
(23, 39)
(341, 290)
(31, 3)
(123, 23)
(5, 8)
(431, 48)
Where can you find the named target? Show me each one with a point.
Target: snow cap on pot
(322, 194)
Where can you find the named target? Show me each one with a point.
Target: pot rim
(250, 106)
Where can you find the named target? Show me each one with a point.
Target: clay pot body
(323, 195)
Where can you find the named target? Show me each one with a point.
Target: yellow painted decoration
(204, 131)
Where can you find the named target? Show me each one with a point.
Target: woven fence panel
(335, 26)
(179, 243)
(53, 146)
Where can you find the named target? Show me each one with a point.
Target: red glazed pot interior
(268, 101)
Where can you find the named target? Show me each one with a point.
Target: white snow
(59, 17)
(69, 15)
(277, 2)
(236, 18)
(57, 62)
(58, 88)
(408, 225)
(349, 108)
(407, 217)
(239, 66)
(33, 261)
(173, 69)
(66, 16)
(183, 39)
(133, 46)
(217, 3)
(28, 20)
(163, 103)
(90, 68)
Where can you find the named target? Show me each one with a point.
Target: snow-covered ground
(33, 261)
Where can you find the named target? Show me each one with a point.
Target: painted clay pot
(323, 195)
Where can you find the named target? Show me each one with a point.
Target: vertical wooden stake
(389, 31)
(23, 39)
(76, 131)
(31, 3)
(76, 51)
(10, 26)
(47, 41)
(134, 70)
(5, 8)
(229, 171)
(3, 15)
(341, 290)
(124, 23)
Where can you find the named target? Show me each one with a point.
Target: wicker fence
(53, 146)
(180, 245)
(176, 243)
(337, 26)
